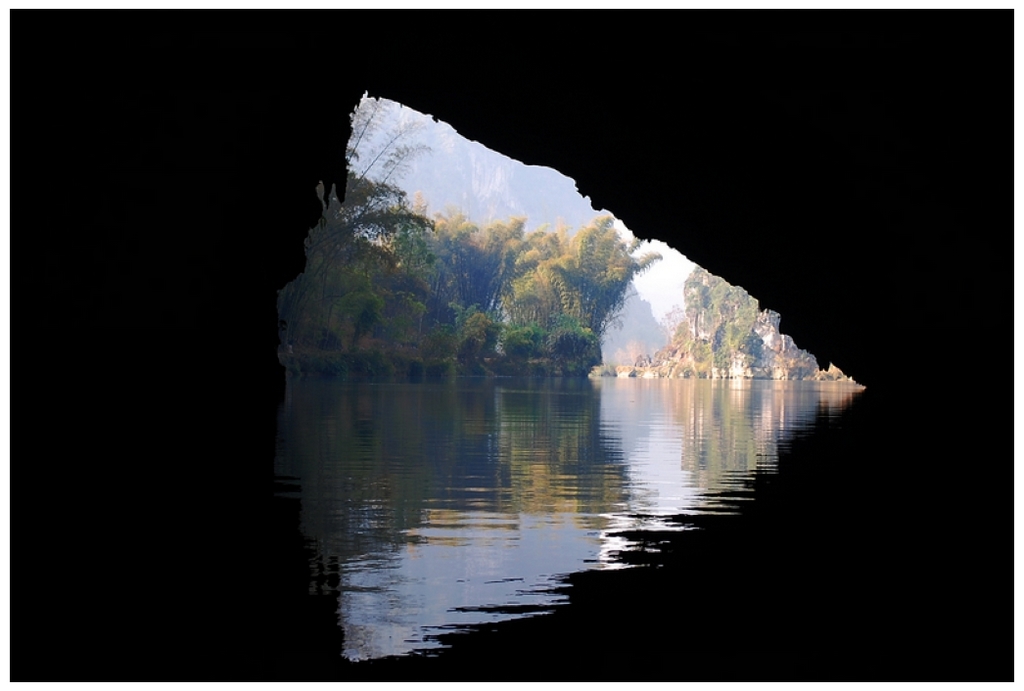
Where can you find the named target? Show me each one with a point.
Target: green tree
(363, 309)
(476, 264)
(478, 335)
(362, 260)
(523, 342)
(593, 272)
(574, 348)
(531, 297)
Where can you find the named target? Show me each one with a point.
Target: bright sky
(662, 284)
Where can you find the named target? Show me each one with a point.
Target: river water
(437, 505)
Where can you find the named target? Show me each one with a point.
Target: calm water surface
(439, 504)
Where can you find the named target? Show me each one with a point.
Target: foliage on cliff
(722, 333)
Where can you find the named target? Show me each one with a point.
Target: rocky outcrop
(668, 370)
(725, 336)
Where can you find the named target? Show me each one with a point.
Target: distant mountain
(448, 169)
(638, 334)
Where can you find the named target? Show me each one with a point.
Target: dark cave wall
(846, 169)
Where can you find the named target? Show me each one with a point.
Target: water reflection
(445, 504)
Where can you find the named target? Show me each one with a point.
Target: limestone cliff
(722, 334)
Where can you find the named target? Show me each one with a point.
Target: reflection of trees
(393, 476)
(377, 463)
(360, 453)
(558, 460)
(733, 427)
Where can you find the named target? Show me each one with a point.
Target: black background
(852, 170)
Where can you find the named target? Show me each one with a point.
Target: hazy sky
(662, 284)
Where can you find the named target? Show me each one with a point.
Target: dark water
(439, 505)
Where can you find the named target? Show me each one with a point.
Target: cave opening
(442, 255)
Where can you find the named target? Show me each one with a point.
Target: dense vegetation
(722, 333)
(388, 290)
(717, 324)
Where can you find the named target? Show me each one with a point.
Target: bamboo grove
(388, 290)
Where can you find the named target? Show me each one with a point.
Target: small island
(723, 334)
